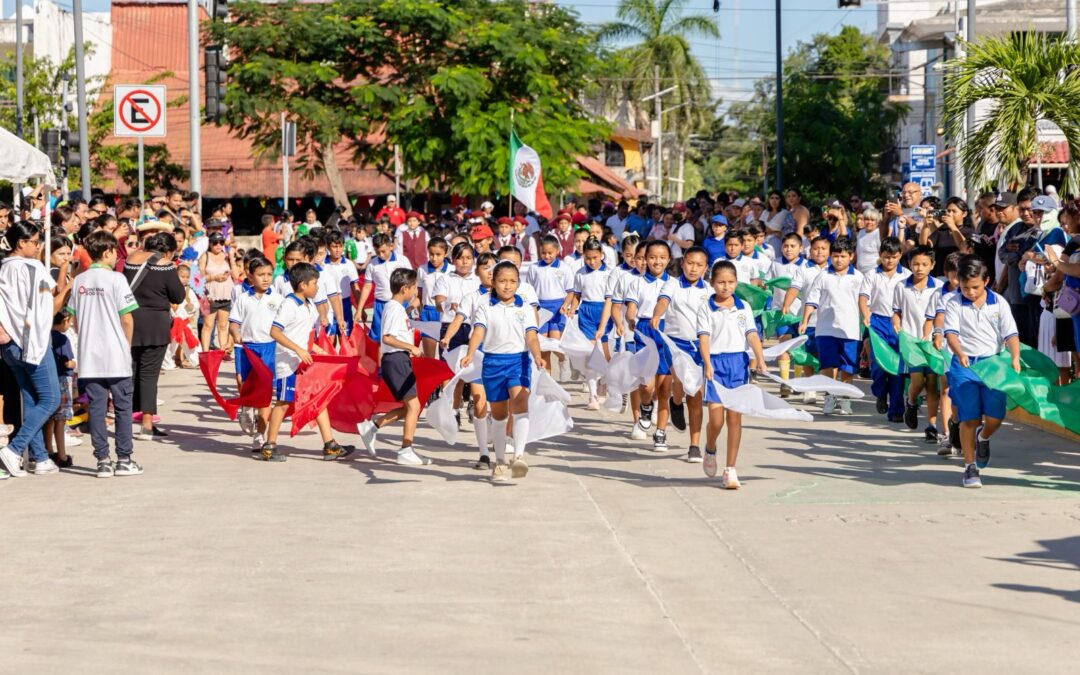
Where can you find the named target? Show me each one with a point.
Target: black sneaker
(457, 418)
(126, 466)
(659, 441)
(105, 469)
(954, 434)
(911, 415)
(882, 405)
(678, 414)
(157, 432)
(269, 453)
(470, 410)
(930, 435)
(864, 373)
(982, 451)
(646, 416)
(332, 451)
(483, 464)
(693, 455)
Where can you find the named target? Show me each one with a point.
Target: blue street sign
(926, 180)
(923, 158)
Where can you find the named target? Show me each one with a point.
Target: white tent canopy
(23, 162)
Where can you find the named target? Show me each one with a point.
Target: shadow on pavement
(1059, 554)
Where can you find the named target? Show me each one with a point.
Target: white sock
(980, 437)
(498, 440)
(521, 433)
(592, 382)
(482, 427)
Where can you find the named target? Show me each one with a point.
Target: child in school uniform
(291, 329)
(978, 325)
(377, 281)
(395, 368)
(787, 265)
(331, 310)
(575, 260)
(725, 327)
(426, 279)
(506, 329)
(552, 279)
(591, 290)
(796, 294)
(250, 321)
(303, 249)
(834, 296)
(949, 287)
(525, 290)
(678, 305)
(451, 287)
(746, 269)
(640, 308)
(615, 309)
(343, 270)
(876, 308)
(911, 299)
(102, 302)
(762, 264)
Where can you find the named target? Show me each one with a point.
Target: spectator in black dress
(151, 272)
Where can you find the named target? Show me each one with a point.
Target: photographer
(945, 230)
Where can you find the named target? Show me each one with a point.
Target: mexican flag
(526, 180)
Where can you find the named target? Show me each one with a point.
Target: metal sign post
(142, 197)
(288, 149)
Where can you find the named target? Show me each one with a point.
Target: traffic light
(221, 10)
(214, 69)
(69, 148)
(50, 145)
(842, 4)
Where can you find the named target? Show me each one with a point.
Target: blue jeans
(40, 396)
(98, 390)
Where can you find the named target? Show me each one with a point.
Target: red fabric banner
(180, 333)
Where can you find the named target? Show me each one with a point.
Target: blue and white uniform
(982, 332)
(593, 288)
(684, 302)
(506, 358)
(911, 304)
(552, 282)
(879, 289)
(727, 328)
(426, 279)
(644, 293)
(378, 275)
(836, 298)
(254, 313)
(347, 280)
(296, 317)
(626, 277)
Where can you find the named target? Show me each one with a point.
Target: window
(614, 155)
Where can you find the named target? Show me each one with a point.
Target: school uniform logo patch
(741, 322)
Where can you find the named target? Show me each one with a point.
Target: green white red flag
(526, 178)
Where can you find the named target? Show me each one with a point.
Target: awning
(602, 175)
(22, 161)
(587, 188)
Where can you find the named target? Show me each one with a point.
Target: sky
(746, 50)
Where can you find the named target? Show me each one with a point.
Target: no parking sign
(139, 110)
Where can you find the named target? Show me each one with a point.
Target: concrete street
(850, 548)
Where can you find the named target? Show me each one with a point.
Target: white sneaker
(809, 397)
(408, 457)
(257, 442)
(367, 431)
(730, 479)
(11, 462)
(246, 418)
(829, 407)
(639, 432)
(72, 441)
(143, 435)
(42, 468)
(709, 465)
(593, 404)
(845, 406)
(168, 364)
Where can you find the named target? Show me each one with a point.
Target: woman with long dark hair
(156, 285)
(27, 308)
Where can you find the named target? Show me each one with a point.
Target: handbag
(1069, 300)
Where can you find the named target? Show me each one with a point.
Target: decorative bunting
(318, 200)
(262, 202)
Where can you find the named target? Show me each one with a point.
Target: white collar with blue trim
(739, 304)
(518, 302)
(589, 270)
(554, 263)
(931, 282)
(700, 283)
(991, 299)
(650, 278)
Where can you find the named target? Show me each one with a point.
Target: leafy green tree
(437, 79)
(42, 93)
(1025, 78)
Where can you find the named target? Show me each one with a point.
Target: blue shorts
(461, 337)
(972, 398)
(690, 348)
(430, 313)
(285, 389)
(789, 329)
(837, 352)
(263, 350)
(811, 344)
(503, 371)
(643, 327)
(589, 314)
(557, 322)
(376, 320)
(731, 370)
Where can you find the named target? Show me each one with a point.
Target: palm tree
(661, 35)
(1024, 78)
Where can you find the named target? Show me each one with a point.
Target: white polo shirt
(982, 330)
(346, 273)
(727, 327)
(594, 285)
(505, 325)
(941, 299)
(395, 323)
(528, 293)
(426, 278)
(296, 318)
(836, 299)
(801, 282)
(684, 232)
(746, 270)
(684, 301)
(99, 297)
(790, 270)
(879, 288)
(913, 304)
(573, 262)
(762, 263)
(379, 271)
(453, 287)
(644, 292)
(255, 314)
(283, 287)
(625, 278)
(470, 304)
(550, 281)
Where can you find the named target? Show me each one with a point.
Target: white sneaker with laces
(845, 406)
(11, 462)
(408, 457)
(829, 406)
(730, 479)
(367, 431)
(639, 433)
(42, 468)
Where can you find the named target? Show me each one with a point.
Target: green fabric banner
(779, 283)
(921, 354)
(753, 295)
(887, 359)
(1033, 388)
(772, 319)
(801, 357)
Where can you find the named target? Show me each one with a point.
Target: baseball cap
(718, 218)
(481, 232)
(740, 202)
(679, 206)
(1044, 203)
(1005, 199)
(487, 206)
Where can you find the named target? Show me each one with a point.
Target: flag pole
(510, 195)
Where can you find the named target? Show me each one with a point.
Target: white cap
(739, 202)
(391, 198)
(487, 205)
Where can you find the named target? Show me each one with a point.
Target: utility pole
(194, 122)
(969, 187)
(1070, 20)
(956, 177)
(780, 103)
(18, 69)
(80, 95)
(659, 134)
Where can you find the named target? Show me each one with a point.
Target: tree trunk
(337, 186)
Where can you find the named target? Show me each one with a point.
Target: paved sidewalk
(850, 548)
